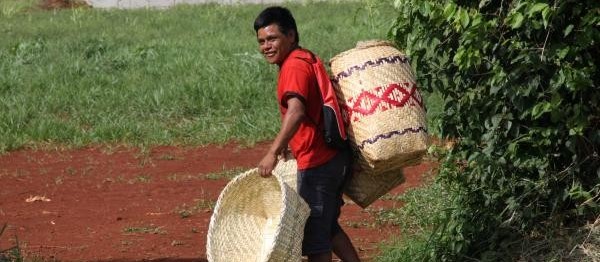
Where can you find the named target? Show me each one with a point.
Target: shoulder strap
(327, 92)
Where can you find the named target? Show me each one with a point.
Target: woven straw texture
(386, 115)
(287, 172)
(365, 188)
(369, 183)
(258, 219)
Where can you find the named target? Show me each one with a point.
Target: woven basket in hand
(386, 115)
(258, 219)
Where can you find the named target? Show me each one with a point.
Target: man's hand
(267, 164)
(286, 154)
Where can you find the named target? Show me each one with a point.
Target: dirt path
(119, 204)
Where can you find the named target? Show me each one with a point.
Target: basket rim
(361, 45)
(213, 226)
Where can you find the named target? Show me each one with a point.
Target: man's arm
(289, 125)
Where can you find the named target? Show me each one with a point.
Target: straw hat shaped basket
(258, 219)
(386, 116)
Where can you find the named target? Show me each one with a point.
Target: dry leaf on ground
(37, 198)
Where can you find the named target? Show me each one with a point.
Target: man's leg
(323, 257)
(343, 248)
(321, 188)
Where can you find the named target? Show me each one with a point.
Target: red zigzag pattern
(392, 96)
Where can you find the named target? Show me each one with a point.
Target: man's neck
(288, 54)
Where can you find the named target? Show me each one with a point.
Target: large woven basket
(367, 185)
(258, 219)
(386, 115)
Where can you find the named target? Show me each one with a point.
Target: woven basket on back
(364, 188)
(258, 219)
(378, 93)
(368, 184)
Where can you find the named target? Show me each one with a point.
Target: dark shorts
(321, 187)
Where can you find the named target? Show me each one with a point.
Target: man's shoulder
(297, 68)
(300, 57)
(303, 54)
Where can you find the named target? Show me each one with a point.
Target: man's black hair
(277, 15)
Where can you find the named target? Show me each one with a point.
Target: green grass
(9, 8)
(14, 252)
(150, 229)
(225, 173)
(186, 75)
(418, 219)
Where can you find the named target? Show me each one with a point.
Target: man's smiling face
(274, 44)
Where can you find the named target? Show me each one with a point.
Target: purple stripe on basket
(384, 60)
(390, 134)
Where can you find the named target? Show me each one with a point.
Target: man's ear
(292, 34)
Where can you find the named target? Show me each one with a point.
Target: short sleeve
(294, 81)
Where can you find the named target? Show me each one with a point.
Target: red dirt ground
(120, 204)
(62, 4)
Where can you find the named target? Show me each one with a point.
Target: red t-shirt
(297, 79)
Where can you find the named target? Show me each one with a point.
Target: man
(321, 169)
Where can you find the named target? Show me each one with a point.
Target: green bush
(520, 88)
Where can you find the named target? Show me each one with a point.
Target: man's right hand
(286, 154)
(267, 164)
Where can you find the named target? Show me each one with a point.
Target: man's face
(273, 44)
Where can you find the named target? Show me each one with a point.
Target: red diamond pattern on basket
(382, 98)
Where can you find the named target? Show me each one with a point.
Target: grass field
(186, 75)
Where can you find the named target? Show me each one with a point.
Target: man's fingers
(264, 172)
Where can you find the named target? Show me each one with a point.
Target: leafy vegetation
(519, 82)
(12, 254)
(185, 75)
